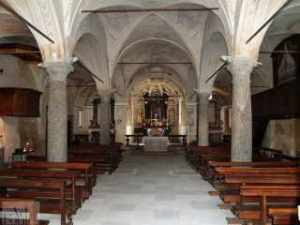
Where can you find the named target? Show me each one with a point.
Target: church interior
(126, 112)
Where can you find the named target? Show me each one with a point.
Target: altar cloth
(156, 144)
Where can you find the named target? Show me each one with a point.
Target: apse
(156, 102)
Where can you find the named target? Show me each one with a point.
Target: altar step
(171, 151)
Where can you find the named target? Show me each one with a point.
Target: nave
(151, 190)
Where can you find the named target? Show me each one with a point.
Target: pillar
(57, 111)
(203, 119)
(105, 116)
(191, 118)
(241, 140)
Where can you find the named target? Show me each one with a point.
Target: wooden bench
(267, 194)
(87, 172)
(214, 174)
(231, 192)
(50, 194)
(69, 177)
(199, 156)
(234, 177)
(21, 205)
(283, 215)
(103, 160)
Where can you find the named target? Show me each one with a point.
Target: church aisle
(152, 190)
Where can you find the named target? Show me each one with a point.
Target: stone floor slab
(150, 190)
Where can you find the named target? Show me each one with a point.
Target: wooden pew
(21, 205)
(267, 192)
(215, 164)
(233, 183)
(50, 194)
(104, 158)
(235, 177)
(199, 156)
(69, 177)
(213, 174)
(256, 170)
(283, 215)
(86, 170)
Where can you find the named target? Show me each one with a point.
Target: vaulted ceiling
(102, 41)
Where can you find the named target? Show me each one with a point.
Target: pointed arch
(91, 53)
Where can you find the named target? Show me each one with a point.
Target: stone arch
(132, 36)
(222, 14)
(173, 53)
(77, 16)
(49, 21)
(93, 25)
(141, 75)
(284, 26)
(274, 34)
(214, 48)
(93, 56)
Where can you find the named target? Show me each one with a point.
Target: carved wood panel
(19, 102)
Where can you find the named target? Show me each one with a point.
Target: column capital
(203, 91)
(241, 68)
(241, 60)
(108, 91)
(58, 71)
(106, 94)
(240, 64)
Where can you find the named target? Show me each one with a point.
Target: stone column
(57, 111)
(121, 118)
(191, 118)
(105, 116)
(241, 140)
(203, 119)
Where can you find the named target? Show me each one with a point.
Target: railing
(276, 154)
(177, 140)
(137, 140)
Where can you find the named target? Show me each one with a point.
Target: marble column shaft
(57, 111)
(241, 142)
(203, 119)
(105, 118)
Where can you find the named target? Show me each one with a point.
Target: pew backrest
(31, 207)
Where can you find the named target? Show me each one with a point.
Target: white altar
(156, 144)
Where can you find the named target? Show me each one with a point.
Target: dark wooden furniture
(104, 158)
(87, 178)
(260, 192)
(50, 194)
(267, 194)
(21, 205)
(19, 102)
(71, 193)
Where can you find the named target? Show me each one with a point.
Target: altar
(156, 144)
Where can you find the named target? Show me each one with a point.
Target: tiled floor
(151, 190)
